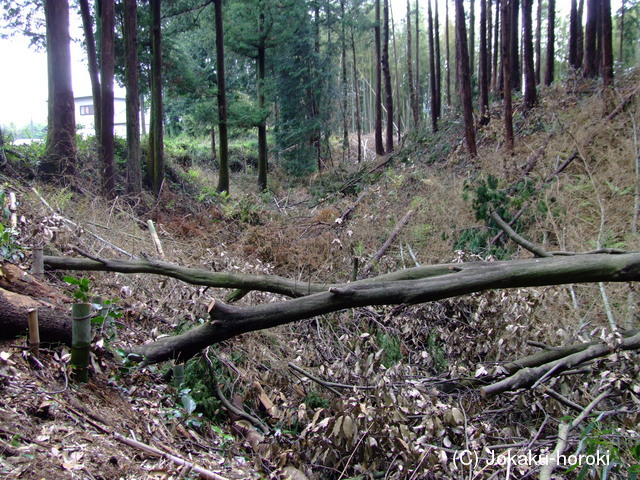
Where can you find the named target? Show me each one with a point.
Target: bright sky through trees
(23, 87)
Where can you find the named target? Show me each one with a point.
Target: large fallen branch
(527, 377)
(200, 276)
(229, 321)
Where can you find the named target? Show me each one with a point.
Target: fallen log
(245, 282)
(54, 320)
(228, 321)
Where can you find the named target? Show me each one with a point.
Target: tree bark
(357, 96)
(506, 69)
(432, 71)
(580, 52)
(229, 321)
(262, 127)
(92, 60)
(530, 96)
(607, 44)
(514, 45)
(539, 43)
(447, 49)
(495, 86)
(418, 105)
(436, 33)
(107, 147)
(573, 35)
(462, 61)
(590, 39)
(54, 320)
(551, 59)
(386, 71)
(134, 172)
(60, 155)
(472, 36)
(622, 12)
(483, 65)
(378, 68)
(223, 177)
(155, 162)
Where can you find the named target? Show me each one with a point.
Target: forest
(335, 239)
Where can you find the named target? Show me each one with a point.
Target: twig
(348, 211)
(524, 243)
(232, 408)
(388, 242)
(314, 378)
(563, 437)
(524, 207)
(204, 473)
(75, 225)
(564, 400)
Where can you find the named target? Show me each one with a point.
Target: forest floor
(355, 394)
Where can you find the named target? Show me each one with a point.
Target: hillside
(358, 393)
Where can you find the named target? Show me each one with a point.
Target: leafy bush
(490, 196)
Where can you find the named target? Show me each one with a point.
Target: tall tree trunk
(418, 86)
(580, 57)
(223, 177)
(472, 36)
(483, 66)
(143, 115)
(134, 175)
(386, 71)
(489, 42)
(378, 67)
(106, 125)
(590, 39)
(432, 70)
(622, 12)
(539, 43)
(464, 78)
(262, 126)
(92, 60)
(446, 34)
(599, 38)
(506, 8)
(573, 35)
(397, 78)
(357, 96)
(495, 85)
(156, 140)
(551, 58)
(516, 80)
(214, 150)
(529, 70)
(343, 80)
(436, 27)
(60, 156)
(607, 44)
(316, 135)
(3, 156)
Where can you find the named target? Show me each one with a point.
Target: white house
(84, 116)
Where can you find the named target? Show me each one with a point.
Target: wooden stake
(155, 238)
(13, 206)
(178, 375)
(34, 333)
(38, 263)
(80, 341)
